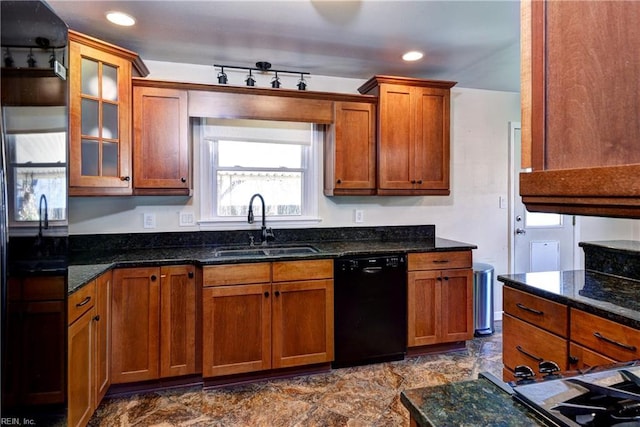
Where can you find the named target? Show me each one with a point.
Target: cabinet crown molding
(406, 81)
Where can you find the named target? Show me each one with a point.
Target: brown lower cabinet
(34, 374)
(266, 316)
(153, 323)
(81, 337)
(439, 300)
(537, 329)
(88, 348)
(533, 329)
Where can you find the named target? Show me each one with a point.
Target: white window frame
(206, 189)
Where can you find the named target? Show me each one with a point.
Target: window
(243, 157)
(539, 219)
(36, 141)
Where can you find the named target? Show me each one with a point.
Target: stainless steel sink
(265, 251)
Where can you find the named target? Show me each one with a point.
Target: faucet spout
(267, 233)
(45, 217)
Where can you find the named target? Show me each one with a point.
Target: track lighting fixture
(302, 83)
(250, 80)
(263, 67)
(275, 82)
(222, 77)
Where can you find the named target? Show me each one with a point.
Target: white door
(540, 241)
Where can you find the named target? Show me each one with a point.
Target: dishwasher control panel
(359, 263)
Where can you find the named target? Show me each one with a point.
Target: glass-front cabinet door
(100, 120)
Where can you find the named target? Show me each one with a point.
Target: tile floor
(357, 396)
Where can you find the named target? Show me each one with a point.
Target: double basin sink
(260, 251)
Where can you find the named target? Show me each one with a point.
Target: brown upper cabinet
(350, 150)
(580, 67)
(100, 116)
(160, 140)
(413, 129)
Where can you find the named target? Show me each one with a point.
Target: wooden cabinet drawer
(236, 274)
(608, 338)
(541, 312)
(525, 344)
(81, 301)
(582, 358)
(288, 271)
(439, 260)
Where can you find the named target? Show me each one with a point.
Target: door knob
(521, 231)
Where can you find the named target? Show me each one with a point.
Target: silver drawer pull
(530, 310)
(610, 341)
(526, 353)
(83, 302)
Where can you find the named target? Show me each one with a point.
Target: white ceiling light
(413, 55)
(120, 18)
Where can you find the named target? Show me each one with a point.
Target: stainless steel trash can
(483, 299)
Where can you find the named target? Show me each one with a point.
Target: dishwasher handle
(371, 270)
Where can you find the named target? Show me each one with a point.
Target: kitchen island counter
(612, 297)
(480, 402)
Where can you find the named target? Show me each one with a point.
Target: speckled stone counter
(467, 403)
(617, 257)
(92, 255)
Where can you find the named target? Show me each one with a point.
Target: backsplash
(133, 241)
(615, 257)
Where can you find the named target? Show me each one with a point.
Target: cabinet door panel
(99, 156)
(424, 309)
(102, 338)
(355, 150)
(396, 136)
(178, 321)
(160, 126)
(431, 161)
(302, 323)
(457, 303)
(80, 385)
(44, 328)
(135, 324)
(236, 329)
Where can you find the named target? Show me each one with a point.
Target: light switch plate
(149, 220)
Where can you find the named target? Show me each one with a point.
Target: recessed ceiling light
(120, 18)
(413, 55)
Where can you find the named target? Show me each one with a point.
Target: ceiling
(476, 43)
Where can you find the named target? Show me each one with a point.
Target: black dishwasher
(370, 309)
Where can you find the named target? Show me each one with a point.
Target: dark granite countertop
(612, 297)
(468, 403)
(86, 266)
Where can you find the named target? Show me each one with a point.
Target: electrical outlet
(187, 219)
(149, 220)
(358, 216)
